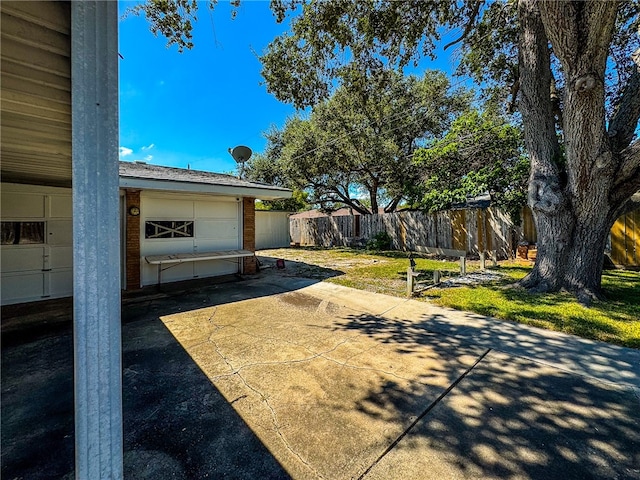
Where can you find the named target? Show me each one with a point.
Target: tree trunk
(570, 253)
(569, 192)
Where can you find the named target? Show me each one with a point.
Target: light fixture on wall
(134, 211)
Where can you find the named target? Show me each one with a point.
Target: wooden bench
(174, 259)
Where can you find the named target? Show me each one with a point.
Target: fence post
(463, 265)
(410, 280)
(482, 261)
(494, 257)
(436, 277)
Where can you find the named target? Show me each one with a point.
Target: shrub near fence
(472, 230)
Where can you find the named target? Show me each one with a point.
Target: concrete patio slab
(310, 388)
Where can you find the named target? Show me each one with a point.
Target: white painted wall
(218, 226)
(272, 229)
(37, 271)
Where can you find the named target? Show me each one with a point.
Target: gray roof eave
(262, 193)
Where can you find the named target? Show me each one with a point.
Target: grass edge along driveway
(615, 320)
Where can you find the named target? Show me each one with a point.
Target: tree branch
(470, 25)
(555, 103)
(628, 174)
(393, 204)
(631, 205)
(565, 23)
(535, 84)
(625, 118)
(515, 88)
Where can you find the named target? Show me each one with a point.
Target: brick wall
(133, 240)
(249, 234)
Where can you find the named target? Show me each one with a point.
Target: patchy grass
(616, 320)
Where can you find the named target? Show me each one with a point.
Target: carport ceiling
(35, 109)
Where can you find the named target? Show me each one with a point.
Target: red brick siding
(249, 234)
(133, 240)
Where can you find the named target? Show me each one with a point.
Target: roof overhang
(262, 193)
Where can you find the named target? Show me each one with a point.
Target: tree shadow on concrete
(510, 416)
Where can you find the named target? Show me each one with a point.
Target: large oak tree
(567, 66)
(356, 147)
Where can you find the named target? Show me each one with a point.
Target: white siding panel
(219, 210)
(167, 208)
(61, 283)
(60, 206)
(60, 257)
(217, 229)
(215, 244)
(33, 272)
(212, 268)
(167, 246)
(22, 287)
(60, 232)
(272, 229)
(176, 272)
(22, 205)
(20, 258)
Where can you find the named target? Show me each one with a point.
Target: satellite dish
(241, 153)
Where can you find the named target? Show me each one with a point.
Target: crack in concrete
(253, 335)
(276, 426)
(282, 362)
(371, 369)
(263, 397)
(274, 416)
(221, 355)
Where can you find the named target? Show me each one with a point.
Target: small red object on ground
(280, 263)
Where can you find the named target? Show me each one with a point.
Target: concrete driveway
(280, 377)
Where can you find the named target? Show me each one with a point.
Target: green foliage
(360, 140)
(297, 203)
(380, 241)
(171, 18)
(480, 153)
(265, 168)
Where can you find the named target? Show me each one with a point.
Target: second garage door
(172, 223)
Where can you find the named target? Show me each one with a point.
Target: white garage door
(172, 223)
(37, 243)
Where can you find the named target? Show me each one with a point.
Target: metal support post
(96, 240)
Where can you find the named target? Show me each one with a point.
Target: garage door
(189, 224)
(37, 243)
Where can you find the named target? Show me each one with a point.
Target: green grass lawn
(616, 320)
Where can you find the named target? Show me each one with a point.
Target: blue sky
(187, 109)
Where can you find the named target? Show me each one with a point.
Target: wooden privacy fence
(625, 240)
(473, 230)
